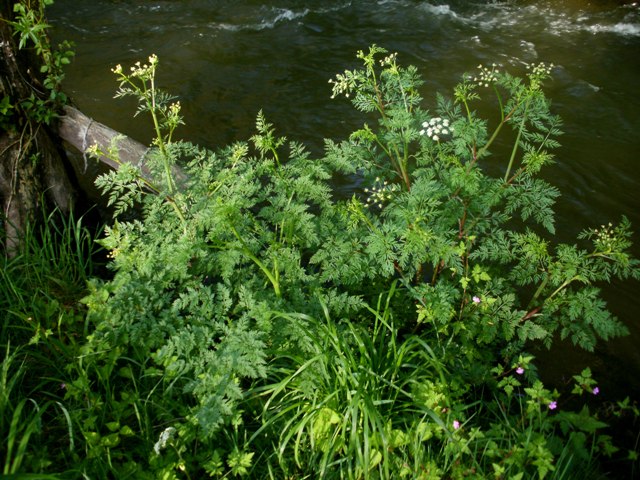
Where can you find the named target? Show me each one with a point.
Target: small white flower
(165, 436)
(436, 127)
(380, 193)
(487, 76)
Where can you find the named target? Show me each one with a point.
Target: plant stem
(517, 142)
(275, 280)
(159, 138)
(539, 291)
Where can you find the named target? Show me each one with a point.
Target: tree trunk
(32, 166)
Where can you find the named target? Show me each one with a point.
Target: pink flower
(596, 391)
(476, 299)
(519, 370)
(553, 405)
(456, 424)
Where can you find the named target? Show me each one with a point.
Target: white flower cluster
(487, 75)
(538, 73)
(342, 84)
(605, 238)
(436, 127)
(165, 436)
(389, 59)
(380, 193)
(541, 69)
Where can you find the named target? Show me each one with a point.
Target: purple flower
(63, 386)
(519, 370)
(596, 390)
(456, 424)
(553, 405)
(476, 299)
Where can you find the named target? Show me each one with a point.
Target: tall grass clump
(43, 324)
(353, 401)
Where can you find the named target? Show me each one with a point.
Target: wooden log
(83, 132)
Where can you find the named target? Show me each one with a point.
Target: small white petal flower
(165, 436)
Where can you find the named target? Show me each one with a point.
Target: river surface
(228, 59)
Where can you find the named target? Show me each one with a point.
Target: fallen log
(83, 132)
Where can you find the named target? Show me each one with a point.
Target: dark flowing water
(227, 59)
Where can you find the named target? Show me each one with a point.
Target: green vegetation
(30, 28)
(254, 326)
(43, 327)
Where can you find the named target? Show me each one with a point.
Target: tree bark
(32, 166)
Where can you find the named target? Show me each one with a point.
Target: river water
(227, 59)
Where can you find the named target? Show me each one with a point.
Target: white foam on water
(274, 17)
(624, 29)
(440, 10)
(554, 19)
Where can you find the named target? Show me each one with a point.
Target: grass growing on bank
(43, 325)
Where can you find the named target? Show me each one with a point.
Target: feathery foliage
(256, 326)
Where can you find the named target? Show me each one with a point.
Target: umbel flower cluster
(605, 237)
(139, 70)
(436, 127)
(380, 193)
(486, 76)
(540, 69)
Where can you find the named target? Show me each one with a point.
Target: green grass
(351, 404)
(40, 292)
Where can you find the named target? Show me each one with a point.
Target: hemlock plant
(227, 287)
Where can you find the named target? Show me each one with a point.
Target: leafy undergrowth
(256, 327)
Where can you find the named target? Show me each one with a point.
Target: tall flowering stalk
(165, 114)
(384, 87)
